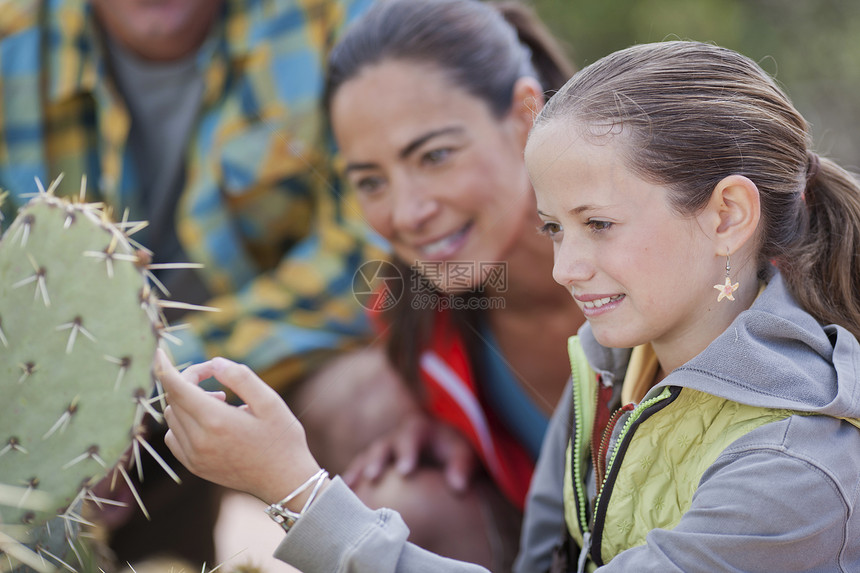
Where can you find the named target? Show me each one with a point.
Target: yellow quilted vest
(664, 447)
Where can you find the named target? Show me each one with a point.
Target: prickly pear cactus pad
(79, 327)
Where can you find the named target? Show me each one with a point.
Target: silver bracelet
(287, 518)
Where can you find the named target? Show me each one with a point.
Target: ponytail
(822, 269)
(484, 48)
(548, 57)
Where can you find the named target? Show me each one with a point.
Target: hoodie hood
(774, 355)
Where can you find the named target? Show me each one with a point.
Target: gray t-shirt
(164, 100)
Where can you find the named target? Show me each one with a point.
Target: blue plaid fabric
(261, 209)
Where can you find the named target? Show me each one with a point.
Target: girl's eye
(598, 226)
(369, 185)
(550, 229)
(436, 156)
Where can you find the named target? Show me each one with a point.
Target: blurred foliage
(812, 47)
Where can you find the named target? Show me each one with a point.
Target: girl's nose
(571, 264)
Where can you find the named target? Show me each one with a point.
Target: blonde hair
(694, 113)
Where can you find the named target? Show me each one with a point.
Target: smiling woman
(431, 103)
(442, 184)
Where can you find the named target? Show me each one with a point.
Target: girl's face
(435, 172)
(639, 272)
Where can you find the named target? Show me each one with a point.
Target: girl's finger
(258, 395)
(175, 438)
(197, 373)
(195, 401)
(177, 447)
(174, 422)
(174, 384)
(186, 429)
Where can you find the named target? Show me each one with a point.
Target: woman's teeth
(601, 301)
(444, 244)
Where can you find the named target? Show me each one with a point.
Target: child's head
(686, 116)
(692, 114)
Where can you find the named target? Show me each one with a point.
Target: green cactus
(79, 326)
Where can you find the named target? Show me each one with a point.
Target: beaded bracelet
(287, 518)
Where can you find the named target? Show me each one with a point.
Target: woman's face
(639, 272)
(436, 174)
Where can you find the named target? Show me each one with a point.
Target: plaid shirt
(260, 209)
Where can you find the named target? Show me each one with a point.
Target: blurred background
(812, 47)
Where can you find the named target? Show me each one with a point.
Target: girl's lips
(446, 246)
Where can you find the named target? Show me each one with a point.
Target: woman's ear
(733, 213)
(526, 102)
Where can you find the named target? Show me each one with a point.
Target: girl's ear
(526, 102)
(733, 213)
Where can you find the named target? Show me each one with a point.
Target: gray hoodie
(779, 499)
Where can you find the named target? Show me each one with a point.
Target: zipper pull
(583, 555)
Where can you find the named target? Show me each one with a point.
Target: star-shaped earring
(726, 290)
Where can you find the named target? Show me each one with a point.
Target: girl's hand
(418, 437)
(259, 447)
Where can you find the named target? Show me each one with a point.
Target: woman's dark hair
(483, 48)
(691, 114)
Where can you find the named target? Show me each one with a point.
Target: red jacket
(453, 395)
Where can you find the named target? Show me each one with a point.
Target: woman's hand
(259, 447)
(418, 437)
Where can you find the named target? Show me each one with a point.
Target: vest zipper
(578, 486)
(599, 453)
(637, 416)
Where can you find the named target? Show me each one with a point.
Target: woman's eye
(436, 156)
(549, 229)
(598, 226)
(368, 185)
